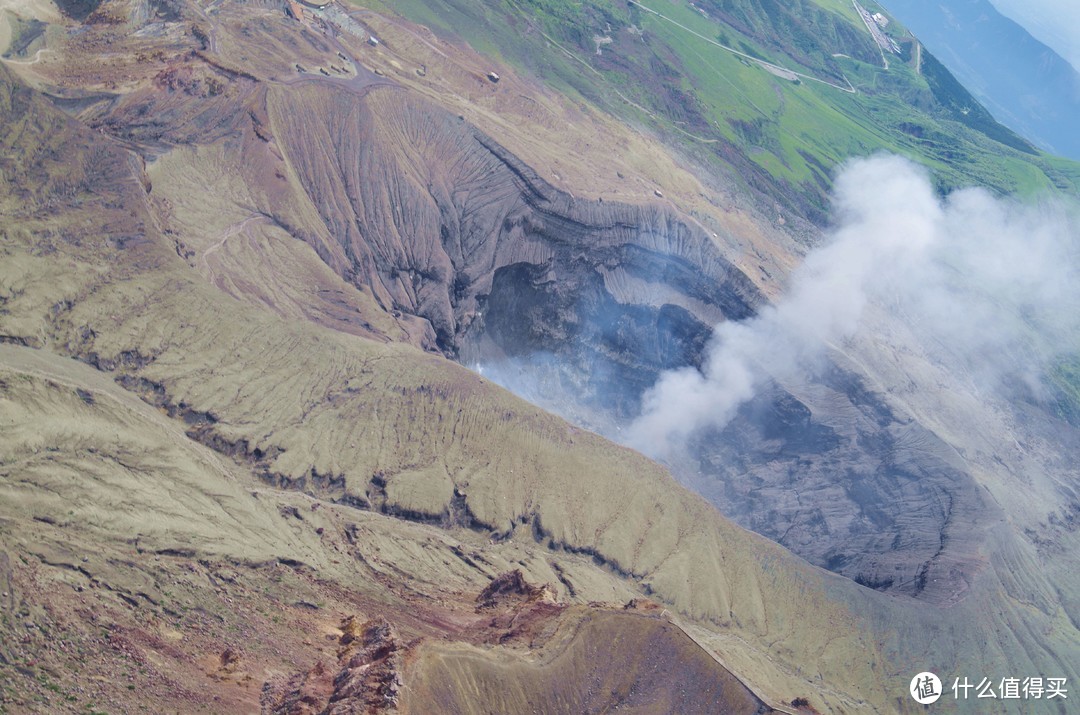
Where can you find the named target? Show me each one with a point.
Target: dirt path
(874, 31)
(230, 232)
(37, 57)
(336, 20)
(777, 70)
(361, 83)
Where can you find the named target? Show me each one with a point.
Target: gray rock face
(579, 305)
(839, 478)
(438, 218)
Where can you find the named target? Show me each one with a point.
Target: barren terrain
(239, 473)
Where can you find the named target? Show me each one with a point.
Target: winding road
(769, 66)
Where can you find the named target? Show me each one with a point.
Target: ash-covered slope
(582, 304)
(430, 213)
(124, 541)
(175, 533)
(395, 481)
(591, 675)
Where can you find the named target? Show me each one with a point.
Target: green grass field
(728, 111)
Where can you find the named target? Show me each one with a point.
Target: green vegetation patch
(783, 135)
(1064, 379)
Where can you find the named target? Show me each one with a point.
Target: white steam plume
(988, 281)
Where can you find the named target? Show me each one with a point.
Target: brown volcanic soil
(153, 608)
(136, 555)
(441, 222)
(426, 210)
(289, 451)
(613, 660)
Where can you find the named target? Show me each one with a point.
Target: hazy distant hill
(1053, 23)
(1024, 83)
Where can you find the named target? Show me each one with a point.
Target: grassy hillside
(781, 137)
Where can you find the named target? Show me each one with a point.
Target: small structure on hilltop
(493, 77)
(373, 41)
(294, 10)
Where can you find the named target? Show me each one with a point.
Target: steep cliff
(584, 303)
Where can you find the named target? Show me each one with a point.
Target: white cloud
(991, 284)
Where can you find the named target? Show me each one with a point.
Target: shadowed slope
(591, 675)
(597, 298)
(426, 209)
